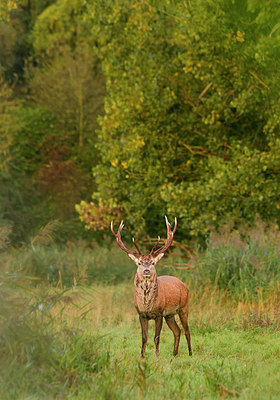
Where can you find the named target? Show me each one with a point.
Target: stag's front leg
(144, 325)
(158, 326)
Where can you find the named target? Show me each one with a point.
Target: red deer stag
(157, 297)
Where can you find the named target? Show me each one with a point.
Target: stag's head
(146, 263)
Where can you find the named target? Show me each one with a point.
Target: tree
(67, 80)
(61, 26)
(17, 19)
(47, 139)
(191, 122)
(72, 87)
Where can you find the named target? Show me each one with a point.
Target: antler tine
(169, 239)
(175, 226)
(120, 229)
(155, 246)
(119, 239)
(112, 230)
(139, 251)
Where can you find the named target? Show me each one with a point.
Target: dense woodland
(138, 109)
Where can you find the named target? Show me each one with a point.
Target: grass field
(85, 344)
(83, 340)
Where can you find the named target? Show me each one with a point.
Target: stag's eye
(139, 262)
(153, 263)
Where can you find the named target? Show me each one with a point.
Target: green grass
(69, 329)
(225, 363)
(84, 343)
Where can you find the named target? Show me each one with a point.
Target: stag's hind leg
(172, 324)
(144, 325)
(158, 326)
(183, 314)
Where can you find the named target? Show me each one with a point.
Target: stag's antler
(155, 246)
(169, 239)
(120, 243)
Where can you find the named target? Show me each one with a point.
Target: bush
(40, 355)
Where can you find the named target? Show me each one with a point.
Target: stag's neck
(146, 293)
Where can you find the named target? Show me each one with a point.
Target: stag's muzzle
(146, 273)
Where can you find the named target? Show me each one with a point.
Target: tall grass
(42, 355)
(242, 267)
(240, 271)
(70, 264)
(68, 327)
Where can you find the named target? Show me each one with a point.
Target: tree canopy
(190, 122)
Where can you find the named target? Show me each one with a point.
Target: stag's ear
(133, 257)
(158, 257)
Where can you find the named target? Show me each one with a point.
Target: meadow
(69, 329)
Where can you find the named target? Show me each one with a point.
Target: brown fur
(159, 297)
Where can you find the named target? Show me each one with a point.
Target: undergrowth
(245, 268)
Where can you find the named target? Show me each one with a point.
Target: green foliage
(9, 123)
(29, 142)
(47, 145)
(191, 120)
(7, 43)
(243, 189)
(76, 101)
(61, 27)
(5, 9)
(191, 123)
(67, 79)
(22, 202)
(17, 18)
(41, 179)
